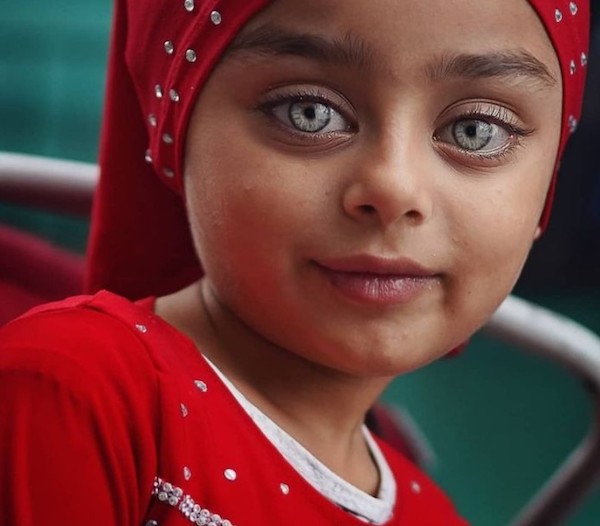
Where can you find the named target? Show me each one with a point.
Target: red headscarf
(162, 51)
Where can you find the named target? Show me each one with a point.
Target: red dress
(109, 416)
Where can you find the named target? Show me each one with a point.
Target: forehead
(401, 33)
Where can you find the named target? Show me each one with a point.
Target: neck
(321, 408)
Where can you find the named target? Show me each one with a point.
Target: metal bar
(50, 184)
(562, 340)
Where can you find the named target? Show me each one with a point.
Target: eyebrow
(352, 51)
(272, 40)
(515, 64)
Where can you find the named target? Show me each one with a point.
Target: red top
(109, 416)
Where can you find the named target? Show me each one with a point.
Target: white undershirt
(375, 510)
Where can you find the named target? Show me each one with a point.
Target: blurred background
(499, 421)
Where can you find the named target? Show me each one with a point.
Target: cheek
(492, 233)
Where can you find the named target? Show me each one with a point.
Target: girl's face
(364, 180)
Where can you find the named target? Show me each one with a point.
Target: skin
(387, 178)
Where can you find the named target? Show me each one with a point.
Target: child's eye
(476, 135)
(484, 132)
(307, 111)
(310, 116)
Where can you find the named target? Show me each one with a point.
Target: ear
(538, 233)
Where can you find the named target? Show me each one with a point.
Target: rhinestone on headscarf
(216, 18)
(573, 7)
(572, 67)
(572, 124)
(189, 5)
(285, 489)
(184, 410)
(584, 59)
(152, 120)
(187, 473)
(158, 91)
(558, 15)
(152, 523)
(173, 95)
(415, 487)
(167, 138)
(169, 173)
(190, 55)
(148, 156)
(169, 47)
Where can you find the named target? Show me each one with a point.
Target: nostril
(413, 215)
(367, 209)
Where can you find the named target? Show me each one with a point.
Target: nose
(388, 185)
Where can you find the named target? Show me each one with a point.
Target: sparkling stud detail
(152, 120)
(167, 138)
(169, 47)
(558, 16)
(173, 95)
(573, 7)
(216, 18)
(148, 157)
(285, 489)
(142, 328)
(189, 5)
(572, 67)
(190, 55)
(415, 487)
(186, 505)
(152, 523)
(572, 124)
(201, 385)
(584, 59)
(230, 474)
(168, 172)
(184, 410)
(187, 473)
(158, 91)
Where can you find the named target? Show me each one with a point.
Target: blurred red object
(32, 271)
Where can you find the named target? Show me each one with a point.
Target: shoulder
(78, 403)
(80, 340)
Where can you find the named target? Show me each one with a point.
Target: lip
(378, 280)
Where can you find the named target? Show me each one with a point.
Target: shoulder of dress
(98, 338)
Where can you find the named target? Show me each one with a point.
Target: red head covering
(161, 54)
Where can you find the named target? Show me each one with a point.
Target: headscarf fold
(162, 52)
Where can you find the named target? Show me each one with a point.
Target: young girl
(361, 182)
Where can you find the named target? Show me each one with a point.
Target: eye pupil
(471, 131)
(310, 112)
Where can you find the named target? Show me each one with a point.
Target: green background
(499, 420)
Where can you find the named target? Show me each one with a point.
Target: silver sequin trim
(196, 514)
